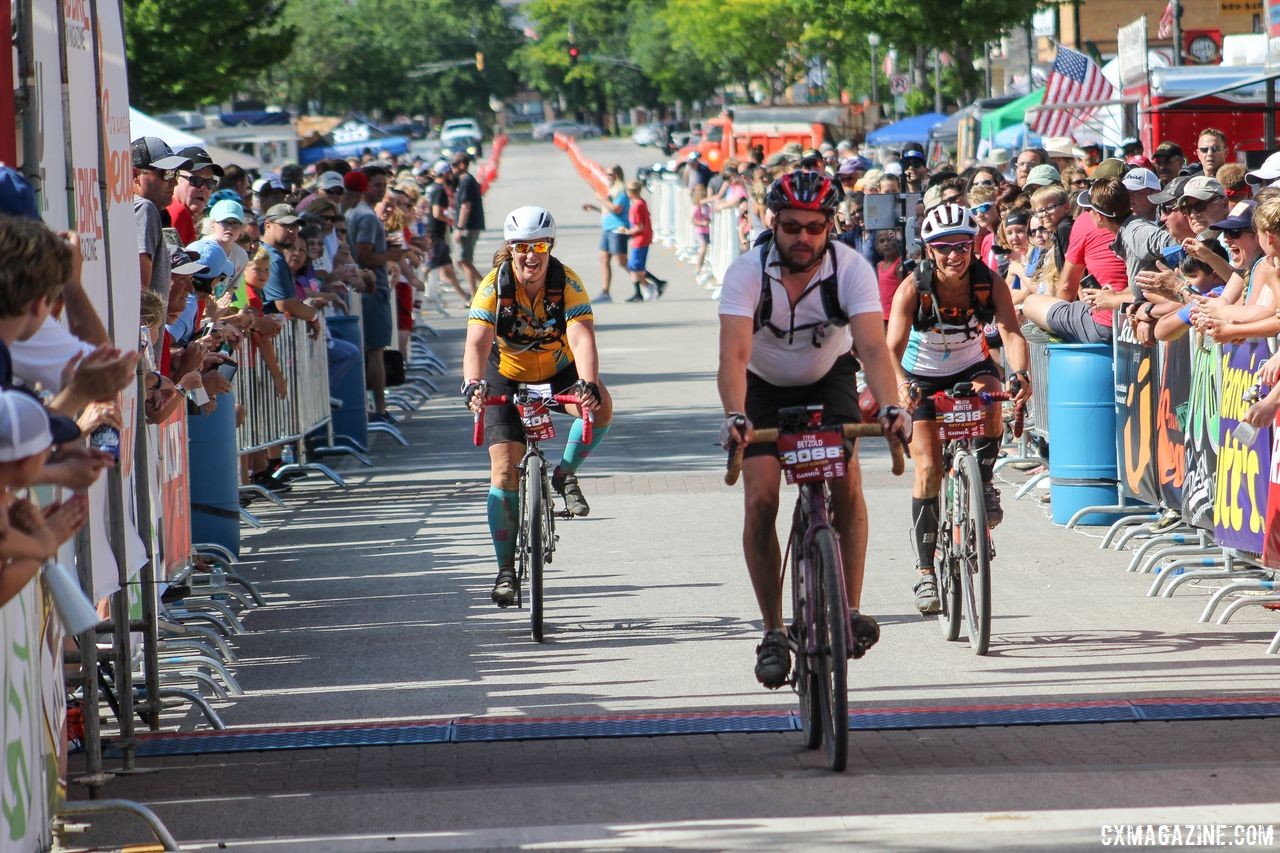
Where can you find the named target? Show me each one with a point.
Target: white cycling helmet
(947, 220)
(529, 223)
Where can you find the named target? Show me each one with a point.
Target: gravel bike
(820, 636)
(964, 546)
(536, 540)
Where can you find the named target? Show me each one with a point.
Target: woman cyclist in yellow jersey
(530, 322)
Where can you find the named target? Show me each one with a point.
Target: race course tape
(489, 729)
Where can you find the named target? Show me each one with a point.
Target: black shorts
(502, 423)
(837, 392)
(930, 385)
(440, 255)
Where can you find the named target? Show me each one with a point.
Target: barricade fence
(672, 211)
(271, 419)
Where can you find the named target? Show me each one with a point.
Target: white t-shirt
(793, 359)
(39, 360)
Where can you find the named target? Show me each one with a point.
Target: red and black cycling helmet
(804, 190)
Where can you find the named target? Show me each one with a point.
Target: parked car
(568, 128)
(649, 134)
(461, 134)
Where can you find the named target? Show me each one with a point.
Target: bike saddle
(962, 389)
(800, 417)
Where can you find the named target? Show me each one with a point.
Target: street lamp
(873, 39)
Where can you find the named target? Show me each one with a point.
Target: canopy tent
(1012, 113)
(141, 124)
(352, 138)
(913, 129)
(947, 132)
(1016, 137)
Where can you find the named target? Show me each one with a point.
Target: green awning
(1010, 114)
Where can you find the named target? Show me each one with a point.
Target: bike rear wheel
(535, 524)
(975, 555)
(831, 616)
(806, 684)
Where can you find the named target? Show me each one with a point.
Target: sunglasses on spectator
(1194, 207)
(987, 183)
(1212, 149)
(163, 174)
(1234, 233)
(952, 248)
(230, 223)
(1082, 183)
(1025, 164)
(334, 191)
(539, 248)
(814, 229)
(200, 183)
(981, 209)
(1035, 231)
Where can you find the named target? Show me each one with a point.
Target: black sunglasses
(164, 174)
(334, 191)
(1233, 233)
(200, 183)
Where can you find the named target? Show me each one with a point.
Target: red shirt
(639, 215)
(889, 274)
(1091, 245)
(182, 222)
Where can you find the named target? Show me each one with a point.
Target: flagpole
(1177, 31)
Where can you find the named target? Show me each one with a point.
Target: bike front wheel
(831, 615)
(807, 682)
(974, 555)
(535, 539)
(948, 580)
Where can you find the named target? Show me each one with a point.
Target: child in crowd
(701, 224)
(641, 231)
(889, 268)
(30, 536)
(1173, 319)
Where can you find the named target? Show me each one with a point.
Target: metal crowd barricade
(1038, 345)
(686, 240)
(665, 190)
(726, 241)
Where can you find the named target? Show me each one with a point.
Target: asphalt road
(379, 612)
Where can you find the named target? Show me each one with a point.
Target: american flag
(1074, 78)
(1165, 29)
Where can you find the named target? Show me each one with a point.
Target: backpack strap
(829, 289)
(980, 284)
(926, 307)
(552, 299)
(764, 308)
(506, 301)
(553, 295)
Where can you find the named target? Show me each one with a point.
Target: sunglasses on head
(200, 183)
(814, 229)
(539, 248)
(952, 248)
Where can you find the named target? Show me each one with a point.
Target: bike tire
(535, 524)
(945, 559)
(831, 613)
(975, 562)
(806, 681)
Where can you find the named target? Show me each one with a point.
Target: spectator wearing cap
(1169, 161)
(1231, 176)
(180, 311)
(1265, 174)
(1203, 201)
(1027, 160)
(280, 296)
(328, 186)
(1167, 211)
(268, 191)
(1211, 150)
(155, 173)
(1089, 320)
(235, 179)
(915, 169)
(368, 240)
(1142, 184)
(1244, 251)
(1043, 175)
(1089, 157)
(438, 218)
(1059, 150)
(468, 218)
(191, 194)
(224, 224)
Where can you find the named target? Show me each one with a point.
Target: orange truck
(734, 133)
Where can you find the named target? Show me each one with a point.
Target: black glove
(470, 389)
(588, 392)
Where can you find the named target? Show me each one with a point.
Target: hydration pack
(981, 305)
(552, 301)
(828, 291)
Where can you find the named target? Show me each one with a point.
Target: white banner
(49, 159)
(1131, 52)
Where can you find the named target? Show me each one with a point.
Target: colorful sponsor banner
(1136, 392)
(1200, 431)
(175, 498)
(47, 163)
(1174, 359)
(1271, 548)
(1244, 470)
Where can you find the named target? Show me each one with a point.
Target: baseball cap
(1203, 187)
(439, 167)
(1140, 179)
(1171, 192)
(182, 262)
(894, 169)
(1043, 175)
(329, 181)
(1140, 161)
(282, 214)
(1240, 216)
(200, 159)
(1168, 149)
(17, 198)
(1267, 172)
(912, 151)
(152, 152)
(212, 258)
(227, 209)
(1108, 168)
(28, 428)
(356, 181)
(850, 167)
(1085, 201)
(268, 182)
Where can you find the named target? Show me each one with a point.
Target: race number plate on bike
(809, 456)
(959, 417)
(535, 413)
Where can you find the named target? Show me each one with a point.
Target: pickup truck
(738, 129)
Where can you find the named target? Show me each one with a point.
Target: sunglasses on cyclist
(813, 229)
(539, 248)
(200, 183)
(952, 248)
(981, 209)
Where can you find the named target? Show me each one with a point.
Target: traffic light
(573, 54)
(479, 60)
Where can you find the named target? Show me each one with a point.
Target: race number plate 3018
(536, 418)
(809, 456)
(959, 417)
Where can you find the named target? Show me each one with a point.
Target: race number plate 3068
(959, 417)
(809, 456)
(536, 418)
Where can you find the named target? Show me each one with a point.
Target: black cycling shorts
(837, 391)
(502, 423)
(930, 385)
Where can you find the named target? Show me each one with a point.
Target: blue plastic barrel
(1082, 431)
(215, 476)
(351, 421)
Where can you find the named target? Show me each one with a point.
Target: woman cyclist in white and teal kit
(936, 335)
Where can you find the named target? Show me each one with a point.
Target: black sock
(987, 450)
(924, 524)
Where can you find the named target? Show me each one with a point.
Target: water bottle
(106, 439)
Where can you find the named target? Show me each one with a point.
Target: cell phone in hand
(227, 370)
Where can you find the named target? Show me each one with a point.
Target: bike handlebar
(987, 397)
(768, 436)
(477, 430)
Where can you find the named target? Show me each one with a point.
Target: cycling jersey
(808, 347)
(947, 347)
(549, 353)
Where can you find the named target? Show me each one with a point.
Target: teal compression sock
(503, 507)
(576, 451)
